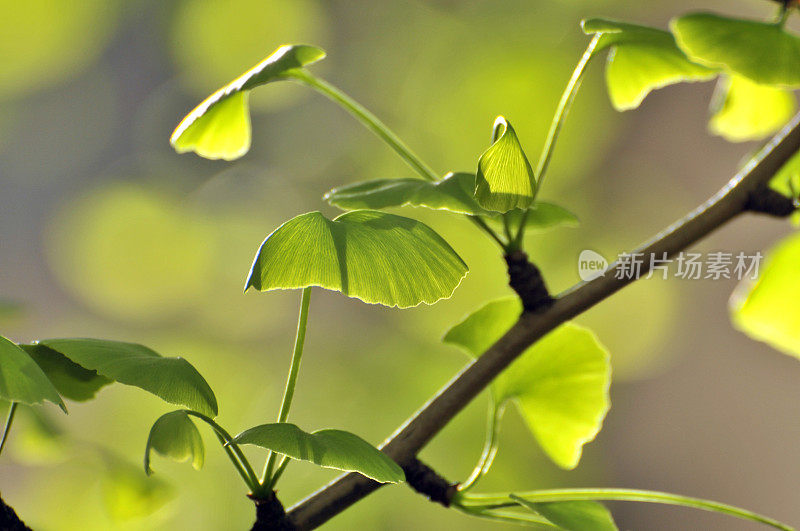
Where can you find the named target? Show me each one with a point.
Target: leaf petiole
(497, 501)
(9, 420)
(568, 96)
(288, 394)
(489, 449)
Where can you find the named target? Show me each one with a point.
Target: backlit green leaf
(560, 384)
(453, 193)
(761, 51)
(21, 379)
(573, 515)
(744, 110)
(127, 493)
(373, 256)
(174, 380)
(219, 128)
(174, 435)
(327, 448)
(505, 179)
(642, 59)
(767, 309)
(70, 379)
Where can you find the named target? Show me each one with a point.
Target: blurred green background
(106, 232)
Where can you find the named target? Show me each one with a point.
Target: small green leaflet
(573, 515)
(642, 59)
(174, 380)
(453, 193)
(787, 182)
(560, 384)
(542, 215)
(219, 128)
(767, 310)
(373, 256)
(327, 448)
(174, 435)
(763, 52)
(21, 379)
(744, 110)
(505, 179)
(70, 379)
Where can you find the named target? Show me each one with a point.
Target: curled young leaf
(573, 515)
(453, 193)
(373, 256)
(70, 379)
(560, 384)
(763, 52)
(641, 60)
(22, 380)
(174, 380)
(219, 128)
(174, 435)
(327, 448)
(743, 110)
(505, 179)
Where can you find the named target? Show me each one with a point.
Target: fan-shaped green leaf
(127, 493)
(767, 309)
(373, 256)
(453, 193)
(70, 379)
(174, 380)
(327, 448)
(573, 515)
(642, 59)
(505, 179)
(560, 384)
(21, 379)
(743, 110)
(763, 52)
(219, 128)
(174, 435)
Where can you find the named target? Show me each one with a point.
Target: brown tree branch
(738, 196)
(9, 521)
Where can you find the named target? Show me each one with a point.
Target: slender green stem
(492, 501)
(279, 471)
(291, 381)
(488, 230)
(372, 122)
(567, 97)
(489, 448)
(9, 420)
(233, 450)
(783, 15)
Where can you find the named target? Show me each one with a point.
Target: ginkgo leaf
(453, 193)
(542, 215)
(505, 179)
(128, 494)
(641, 60)
(573, 515)
(763, 52)
(174, 380)
(174, 435)
(21, 379)
(327, 448)
(559, 384)
(743, 110)
(219, 128)
(70, 379)
(373, 256)
(767, 309)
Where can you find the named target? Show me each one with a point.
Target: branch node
(765, 200)
(270, 515)
(427, 482)
(527, 281)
